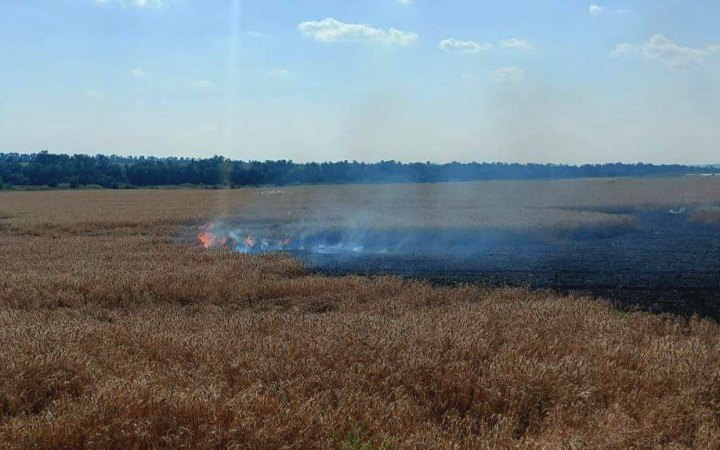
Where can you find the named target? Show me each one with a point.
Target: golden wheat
(117, 333)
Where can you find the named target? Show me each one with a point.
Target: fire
(208, 239)
(212, 235)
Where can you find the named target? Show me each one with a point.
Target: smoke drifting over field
(384, 220)
(542, 234)
(355, 241)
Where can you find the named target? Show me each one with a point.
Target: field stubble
(114, 335)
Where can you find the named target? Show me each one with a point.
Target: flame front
(214, 235)
(208, 239)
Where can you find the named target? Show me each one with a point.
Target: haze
(412, 80)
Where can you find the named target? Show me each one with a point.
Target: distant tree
(115, 171)
(2, 185)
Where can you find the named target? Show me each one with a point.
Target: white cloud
(660, 48)
(516, 43)
(454, 45)
(458, 46)
(625, 49)
(405, 2)
(509, 74)
(204, 84)
(331, 30)
(138, 73)
(596, 10)
(135, 3)
(666, 51)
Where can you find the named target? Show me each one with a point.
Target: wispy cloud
(331, 30)
(660, 48)
(135, 3)
(278, 73)
(457, 46)
(598, 10)
(663, 49)
(509, 74)
(204, 84)
(625, 49)
(138, 73)
(405, 2)
(519, 44)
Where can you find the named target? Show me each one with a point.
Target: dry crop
(116, 333)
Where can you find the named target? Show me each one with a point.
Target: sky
(550, 81)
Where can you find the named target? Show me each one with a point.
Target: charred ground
(611, 240)
(666, 263)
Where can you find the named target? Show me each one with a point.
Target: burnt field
(119, 330)
(658, 253)
(666, 263)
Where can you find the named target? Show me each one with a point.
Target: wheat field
(117, 331)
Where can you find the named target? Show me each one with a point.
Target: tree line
(73, 171)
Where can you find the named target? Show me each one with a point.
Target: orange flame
(208, 239)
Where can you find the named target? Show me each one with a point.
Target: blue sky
(546, 81)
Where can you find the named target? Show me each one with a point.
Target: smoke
(397, 219)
